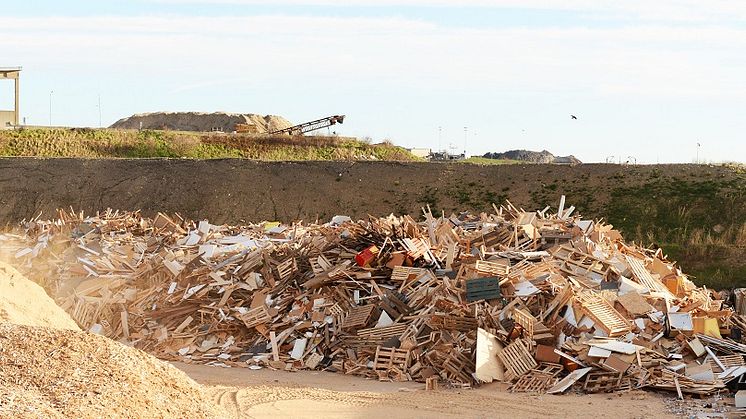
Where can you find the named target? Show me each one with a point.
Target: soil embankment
(230, 190)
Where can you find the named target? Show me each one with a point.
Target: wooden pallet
(418, 292)
(388, 359)
(533, 382)
(319, 264)
(358, 317)
(517, 359)
(579, 264)
(485, 268)
(406, 274)
(450, 322)
(416, 248)
(287, 268)
(603, 314)
(493, 238)
(728, 361)
(601, 381)
(382, 333)
(255, 316)
(456, 368)
(526, 320)
(550, 368)
(482, 289)
(643, 276)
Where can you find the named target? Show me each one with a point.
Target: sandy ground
(276, 394)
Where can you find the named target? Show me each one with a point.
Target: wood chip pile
(57, 373)
(545, 301)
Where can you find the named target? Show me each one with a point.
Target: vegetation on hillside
(700, 222)
(109, 143)
(698, 217)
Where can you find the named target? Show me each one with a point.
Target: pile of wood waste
(543, 300)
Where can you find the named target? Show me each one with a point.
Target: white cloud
(650, 60)
(665, 10)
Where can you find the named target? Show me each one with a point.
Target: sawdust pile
(202, 122)
(62, 373)
(24, 302)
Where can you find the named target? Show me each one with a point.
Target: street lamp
(698, 145)
(466, 132)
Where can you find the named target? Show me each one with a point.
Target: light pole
(50, 107)
(698, 145)
(466, 132)
(440, 136)
(99, 111)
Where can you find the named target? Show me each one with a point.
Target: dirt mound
(24, 302)
(543, 157)
(203, 122)
(62, 373)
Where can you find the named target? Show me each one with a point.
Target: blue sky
(646, 80)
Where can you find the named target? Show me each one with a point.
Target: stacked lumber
(542, 300)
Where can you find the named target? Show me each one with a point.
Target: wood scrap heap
(541, 300)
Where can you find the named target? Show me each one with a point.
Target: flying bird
(573, 117)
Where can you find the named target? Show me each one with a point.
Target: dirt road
(272, 394)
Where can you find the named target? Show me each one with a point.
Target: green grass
(486, 161)
(108, 143)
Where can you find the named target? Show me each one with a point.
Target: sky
(648, 81)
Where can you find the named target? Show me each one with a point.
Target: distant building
(11, 118)
(423, 153)
(446, 156)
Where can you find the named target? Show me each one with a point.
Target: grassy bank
(109, 143)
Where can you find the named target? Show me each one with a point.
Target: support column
(18, 94)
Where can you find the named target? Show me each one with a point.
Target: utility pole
(50, 107)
